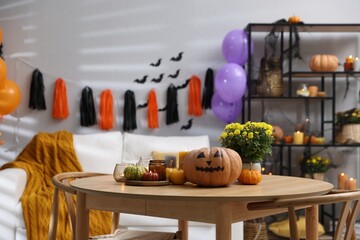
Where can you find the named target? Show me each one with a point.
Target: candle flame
(270, 173)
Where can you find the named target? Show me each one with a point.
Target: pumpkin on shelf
(250, 176)
(212, 167)
(324, 63)
(294, 19)
(277, 133)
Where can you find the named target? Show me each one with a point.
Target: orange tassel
(153, 121)
(106, 110)
(60, 105)
(195, 107)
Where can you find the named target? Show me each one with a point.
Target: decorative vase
(317, 176)
(252, 165)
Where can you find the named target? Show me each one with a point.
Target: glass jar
(158, 166)
(303, 90)
(118, 173)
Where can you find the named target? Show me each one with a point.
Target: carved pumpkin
(212, 167)
(250, 176)
(324, 63)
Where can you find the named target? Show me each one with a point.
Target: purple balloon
(230, 82)
(235, 47)
(227, 112)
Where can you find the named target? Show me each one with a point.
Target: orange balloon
(3, 71)
(10, 97)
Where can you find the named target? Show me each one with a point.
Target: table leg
(183, 226)
(223, 222)
(82, 217)
(312, 220)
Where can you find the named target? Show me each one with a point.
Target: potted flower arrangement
(348, 126)
(252, 140)
(315, 167)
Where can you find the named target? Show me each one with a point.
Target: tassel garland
(37, 89)
(87, 108)
(106, 110)
(129, 111)
(60, 105)
(208, 91)
(172, 114)
(195, 96)
(153, 121)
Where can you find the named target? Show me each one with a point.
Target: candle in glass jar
(352, 184)
(342, 178)
(298, 137)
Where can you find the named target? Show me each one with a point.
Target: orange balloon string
(106, 110)
(153, 121)
(60, 104)
(195, 107)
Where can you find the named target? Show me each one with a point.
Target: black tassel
(37, 89)
(129, 111)
(172, 114)
(87, 108)
(208, 91)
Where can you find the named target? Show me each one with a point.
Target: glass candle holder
(118, 173)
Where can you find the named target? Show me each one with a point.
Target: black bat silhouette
(142, 105)
(157, 63)
(184, 85)
(143, 80)
(157, 80)
(175, 75)
(162, 109)
(188, 126)
(177, 58)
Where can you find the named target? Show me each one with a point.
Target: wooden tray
(146, 183)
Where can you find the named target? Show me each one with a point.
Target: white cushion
(136, 146)
(99, 152)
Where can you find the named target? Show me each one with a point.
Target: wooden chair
(61, 182)
(347, 217)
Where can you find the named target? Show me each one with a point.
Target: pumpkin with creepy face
(212, 167)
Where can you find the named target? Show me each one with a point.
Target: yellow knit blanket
(46, 155)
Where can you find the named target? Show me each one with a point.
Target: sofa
(100, 152)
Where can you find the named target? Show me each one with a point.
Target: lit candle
(350, 59)
(298, 137)
(352, 184)
(342, 178)
(270, 173)
(182, 155)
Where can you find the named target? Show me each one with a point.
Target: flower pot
(317, 176)
(254, 166)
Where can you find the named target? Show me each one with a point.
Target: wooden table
(220, 206)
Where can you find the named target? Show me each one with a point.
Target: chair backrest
(347, 216)
(61, 182)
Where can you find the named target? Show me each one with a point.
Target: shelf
(288, 98)
(306, 74)
(267, 27)
(315, 145)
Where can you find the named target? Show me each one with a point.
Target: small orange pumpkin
(294, 19)
(250, 176)
(324, 63)
(212, 167)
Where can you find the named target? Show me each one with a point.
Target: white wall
(109, 43)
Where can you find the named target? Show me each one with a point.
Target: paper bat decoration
(142, 105)
(175, 75)
(157, 80)
(184, 85)
(177, 58)
(141, 81)
(157, 63)
(188, 126)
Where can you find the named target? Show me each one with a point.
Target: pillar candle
(352, 184)
(181, 159)
(342, 178)
(298, 137)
